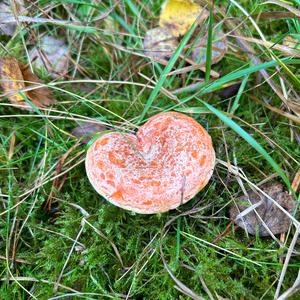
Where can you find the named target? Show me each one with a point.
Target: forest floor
(59, 239)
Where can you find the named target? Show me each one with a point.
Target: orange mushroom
(168, 161)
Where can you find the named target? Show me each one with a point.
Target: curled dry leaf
(159, 44)
(179, 15)
(6, 11)
(86, 130)
(52, 54)
(274, 218)
(15, 76)
(219, 48)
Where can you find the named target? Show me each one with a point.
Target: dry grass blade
(180, 285)
(292, 9)
(56, 285)
(18, 260)
(286, 262)
(293, 118)
(101, 234)
(292, 290)
(273, 15)
(256, 61)
(284, 48)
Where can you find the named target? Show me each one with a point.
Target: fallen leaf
(159, 44)
(11, 79)
(7, 12)
(219, 48)
(179, 15)
(86, 130)
(229, 91)
(274, 218)
(15, 76)
(52, 54)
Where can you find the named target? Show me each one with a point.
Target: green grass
(119, 254)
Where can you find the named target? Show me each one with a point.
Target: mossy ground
(234, 267)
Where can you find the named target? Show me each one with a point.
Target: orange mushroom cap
(168, 161)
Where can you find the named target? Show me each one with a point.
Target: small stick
(18, 260)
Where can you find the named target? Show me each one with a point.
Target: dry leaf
(86, 130)
(6, 12)
(159, 44)
(276, 220)
(229, 91)
(52, 54)
(179, 15)
(219, 48)
(13, 77)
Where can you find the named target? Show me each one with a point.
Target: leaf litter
(52, 54)
(6, 11)
(85, 131)
(160, 44)
(249, 211)
(16, 78)
(176, 17)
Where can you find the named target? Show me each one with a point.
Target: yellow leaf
(179, 15)
(11, 79)
(15, 77)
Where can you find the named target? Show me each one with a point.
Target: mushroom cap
(168, 161)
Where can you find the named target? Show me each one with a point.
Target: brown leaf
(275, 219)
(229, 91)
(14, 77)
(159, 44)
(86, 130)
(40, 97)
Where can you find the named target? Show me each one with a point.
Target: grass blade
(166, 70)
(236, 101)
(209, 44)
(217, 84)
(250, 140)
